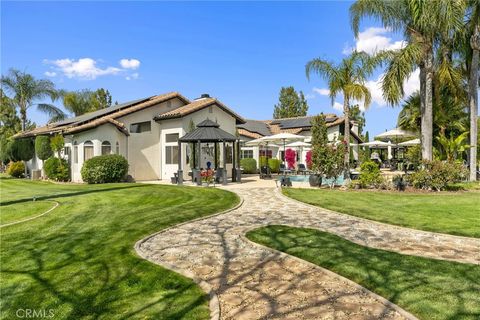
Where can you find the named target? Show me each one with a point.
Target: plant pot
(315, 180)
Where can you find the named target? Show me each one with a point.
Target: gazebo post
(180, 171)
(199, 177)
(234, 162)
(215, 156)
(237, 169)
(224, 182)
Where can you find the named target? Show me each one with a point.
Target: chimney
(203, 96)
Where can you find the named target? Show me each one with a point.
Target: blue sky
(239, 52)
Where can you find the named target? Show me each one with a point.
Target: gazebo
(209, 131)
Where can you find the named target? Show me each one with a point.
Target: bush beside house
(274, 165)
(437, 175)
(105, 169)
(56, 169)
(249, 165)
(16, 169)
(43, 148)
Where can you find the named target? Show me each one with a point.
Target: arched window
(75, 152)
(87, 150)
(106, 148)
(117, 148)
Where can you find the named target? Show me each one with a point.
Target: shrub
(290, 158)
(56, 169)
(414, 155)
(105, 169)
(249, 165)
(274, 165)
(370, 174)
(43, 148)
(437, 175)
(20, 149)
(16, 169)
(263, 161)
(308, 159)
(57, 143)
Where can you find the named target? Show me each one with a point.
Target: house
(254, 129)
(144, 131)
(147, 131)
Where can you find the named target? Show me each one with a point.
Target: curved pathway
(254, 282)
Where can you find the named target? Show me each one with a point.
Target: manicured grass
(429, 289)
(79, 259)
(455, 213)
(20, 211)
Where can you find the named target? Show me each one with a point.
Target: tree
(26, 91)
(359, 116)
(348, 78)
(423, 24)
(57, 143)
(319, 144)
(43, 148)
(84, 101)
(290, 104)
(473, 51)
(452, 148)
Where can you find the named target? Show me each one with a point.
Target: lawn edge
(213, 304)
(374, 221)
(56, 204)
(376, 296)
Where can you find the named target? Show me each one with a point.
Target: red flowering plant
(290, 158)
(308, 159)
(207, 175)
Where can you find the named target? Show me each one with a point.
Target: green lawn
(430, 289)
(79, 260)
(455, 213)
(20, 211)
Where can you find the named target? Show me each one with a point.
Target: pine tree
(290, 104)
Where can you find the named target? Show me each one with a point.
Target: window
(246, 154)
(266, 153)
(87, 150)
(141, 127)
(117, 148)
(67, 154)
(171, 137)
(106, 148)
(171, 154)
(75, 152)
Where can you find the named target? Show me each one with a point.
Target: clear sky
(240, 52)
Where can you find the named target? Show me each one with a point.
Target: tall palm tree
(422, 23)
(26, 91)
(347, 78)
(473, 61)
(77, 102)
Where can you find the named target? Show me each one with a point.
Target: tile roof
(196, 105)
(94, 119)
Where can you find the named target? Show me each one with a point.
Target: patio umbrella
(410, 143)
(377, 144)
(283, 137)
(396, 134)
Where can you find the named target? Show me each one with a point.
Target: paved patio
(253, 282)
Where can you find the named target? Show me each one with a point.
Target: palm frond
(52, 111)
(323, 68)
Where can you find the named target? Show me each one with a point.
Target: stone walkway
(254, 282)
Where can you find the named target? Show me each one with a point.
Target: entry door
(170, 154)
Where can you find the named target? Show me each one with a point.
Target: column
(180, 171)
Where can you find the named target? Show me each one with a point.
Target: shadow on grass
(428, 288)
(71, 194)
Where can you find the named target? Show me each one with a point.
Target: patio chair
(284, 170)
(265, 172)
(218, 176)
(302, 169)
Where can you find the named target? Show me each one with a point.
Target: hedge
(274, 165)
(57, 169)
(249, 165)
(43, 148)
(105, 169)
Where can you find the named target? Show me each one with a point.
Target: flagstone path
(249, 281)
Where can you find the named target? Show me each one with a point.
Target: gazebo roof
(208, 131)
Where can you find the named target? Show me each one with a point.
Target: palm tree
(473, 52)
(348, 78)
(422, 23)
(77, 102)
(26, 90)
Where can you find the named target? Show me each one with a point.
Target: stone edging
(214, 304)
(379, 298)
(279, 191)
(35, 217)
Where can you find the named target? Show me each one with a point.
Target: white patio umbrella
(396, 134)
(283, 137)
(409, 143)
(377, 144)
